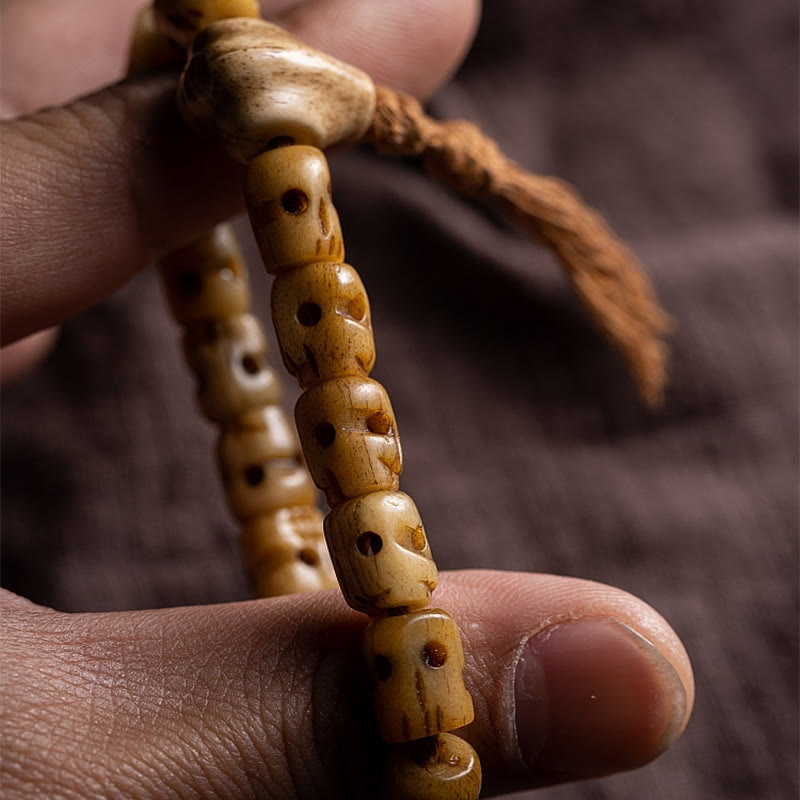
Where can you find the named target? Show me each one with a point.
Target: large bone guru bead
(417, 660)
(444, 767)
(206, 279)
(349, 437)
(288, 194)
(286, 552)
(180, 20)
(260, 463)
(252, 85)
(228, 357)
(321, 315)
(380, 553)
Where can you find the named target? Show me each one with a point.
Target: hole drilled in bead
(382, 667)
(324, 434)
(434, 654)
(190, 284)
(280, 141)
(309, 314)
(379, 422)
(294, 202)
(418, 539)
(251, 364)
(254, 475)
(369, 543)
(309, 556)
(358, 307)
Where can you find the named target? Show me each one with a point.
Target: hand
(267, 698)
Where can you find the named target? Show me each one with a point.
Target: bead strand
(266, 485)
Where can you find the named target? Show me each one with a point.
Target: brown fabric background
(526, 447)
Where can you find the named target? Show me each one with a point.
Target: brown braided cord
(606, 276)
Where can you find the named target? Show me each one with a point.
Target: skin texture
(267, 698)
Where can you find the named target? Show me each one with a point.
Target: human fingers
(570, 679)
(95, 190)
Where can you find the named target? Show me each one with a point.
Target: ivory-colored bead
(444, 767)
(228, 357)
(285, 551)
(206, 279)
(321, 315)
(288, 194)
(417, 660)
(180, 20)
(252, 85)
(349, 437)
(380, 553)
(260, 463)
(149, 49)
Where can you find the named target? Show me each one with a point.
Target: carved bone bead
(444, 767)
(321, 315)
(380, 553)
(288, 194)
(206, 279)
(250, 84)
(259, 459)
(349, 437)
(228, 359)
(285, 550)
(417, 660)
(180, 20)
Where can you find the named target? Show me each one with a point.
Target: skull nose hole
(382, 667)
(294, 202)
(254, 475)
(379, 422)
(309, 556)
(369, 543)
(324, 434)
(434, 654)
(251, 364)
(280, 141)
(309, 314)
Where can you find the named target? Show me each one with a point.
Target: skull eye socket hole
(254, 475)
(369, 543)
(189, 284)
(380, 423)
(294, 202)
(324, 434)
(251, 364)
(434, 654)
(309, 556)
(308, 314)
(280, 141)
(418, 539)
(382, 667)
(357, 308)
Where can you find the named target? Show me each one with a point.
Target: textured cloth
(525, 444)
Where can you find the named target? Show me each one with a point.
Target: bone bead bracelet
(274, 104)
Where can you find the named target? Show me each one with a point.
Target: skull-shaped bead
(294, 221)
(444, 767)
(285, 551)
(380, 553)
(262, 470)
(180, 20)
(228, 357)
(349, 437)
(321, 316)
(417, 660)
(206, 279)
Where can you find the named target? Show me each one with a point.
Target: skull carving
(349, 438)
(286, 552)
(321, 316)
(417, 660)
(289, 201)
(380, 553)
(207, 279)
(181, 20)
(228, 359)
(261, 465)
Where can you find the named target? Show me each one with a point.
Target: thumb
(271, 698)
